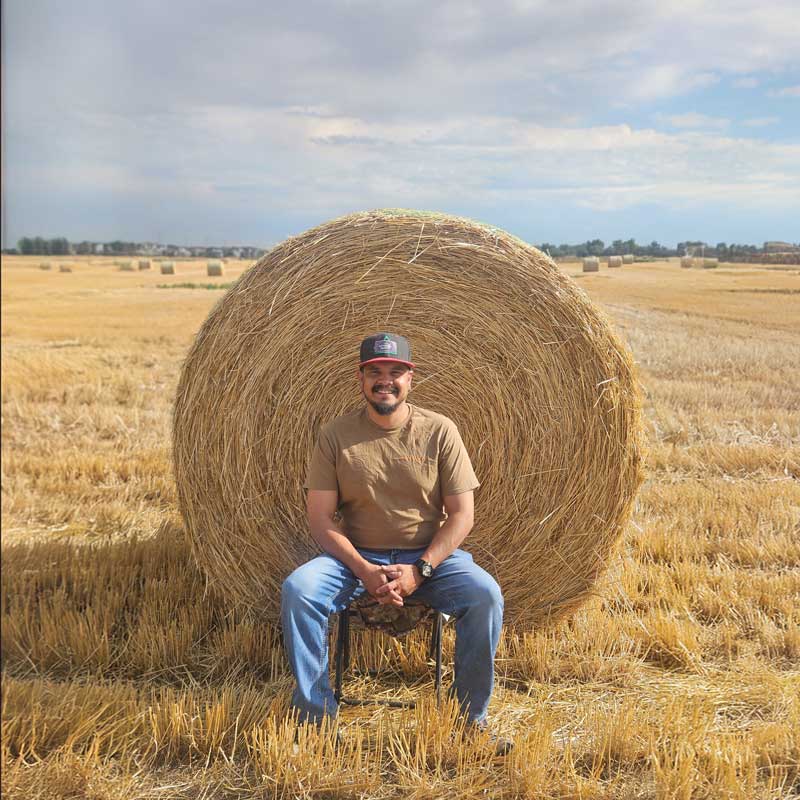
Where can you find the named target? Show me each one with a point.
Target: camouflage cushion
(396, 620)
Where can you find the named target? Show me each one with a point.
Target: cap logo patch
(386, 347)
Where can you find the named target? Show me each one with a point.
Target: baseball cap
(385, 347)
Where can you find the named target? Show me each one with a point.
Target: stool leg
(346, 664)
(342, 634)
(432, 644)
(437, 635)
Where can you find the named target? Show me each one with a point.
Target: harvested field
(125, 676)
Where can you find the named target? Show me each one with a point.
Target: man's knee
(296, 586)
(487, 593)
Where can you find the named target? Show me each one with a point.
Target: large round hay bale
(215, 268)
(591, 264)
(145, 263)
(687, 262)
(628, 258)
(45, 265)
(615, 261)
(710, 263)
(65, 267)
(167, 267)
(541, 388)
(126, 266)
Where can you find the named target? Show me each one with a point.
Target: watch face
(427, 570)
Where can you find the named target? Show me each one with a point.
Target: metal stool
(397, 622)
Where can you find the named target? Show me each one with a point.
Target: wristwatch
(425, 569)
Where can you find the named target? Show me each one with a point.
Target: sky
(242, 122)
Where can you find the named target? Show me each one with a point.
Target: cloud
(380, 60)
(786, 91)
(695, 120)
(255, 107)
(667, 80)
(760, 122)
(277, 157)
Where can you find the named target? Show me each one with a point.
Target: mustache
(391, 389)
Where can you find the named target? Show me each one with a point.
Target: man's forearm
(328, 536)
(448, 538)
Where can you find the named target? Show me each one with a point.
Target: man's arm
(460, 519)
(460, 510)
(320, 508)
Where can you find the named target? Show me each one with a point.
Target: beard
(383, 407)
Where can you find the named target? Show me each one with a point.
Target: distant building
(780, 247)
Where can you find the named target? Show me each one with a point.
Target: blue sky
(245, 122)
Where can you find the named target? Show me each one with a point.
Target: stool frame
(342, 659)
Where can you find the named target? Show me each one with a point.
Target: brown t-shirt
(391, 483)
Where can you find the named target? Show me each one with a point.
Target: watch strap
(425, 568)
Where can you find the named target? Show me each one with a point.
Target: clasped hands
(390, 583)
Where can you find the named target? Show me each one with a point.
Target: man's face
(385, 384)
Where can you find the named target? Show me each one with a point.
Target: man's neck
(393, 420)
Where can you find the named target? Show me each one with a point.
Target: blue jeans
(458, 587)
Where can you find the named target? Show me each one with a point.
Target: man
(400, 480)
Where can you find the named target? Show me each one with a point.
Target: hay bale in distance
(628, 258)
(45, 265)
(614, 261)
(215, 268)
(558, 448)
(710, 263)
(687, 262)
(591, 264)
(65, 267)
(145, 263)
(167, 267)
(126, 266)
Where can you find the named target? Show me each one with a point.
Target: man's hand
(376, 578)
(404, 579)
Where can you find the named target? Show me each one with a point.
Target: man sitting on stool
(402, 483)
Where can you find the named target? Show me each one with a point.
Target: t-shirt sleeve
(455, 469)
(322, 467)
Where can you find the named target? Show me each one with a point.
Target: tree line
(620, 247)
(44, 247)
(37, 246)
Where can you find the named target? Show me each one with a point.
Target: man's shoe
(502, 746)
